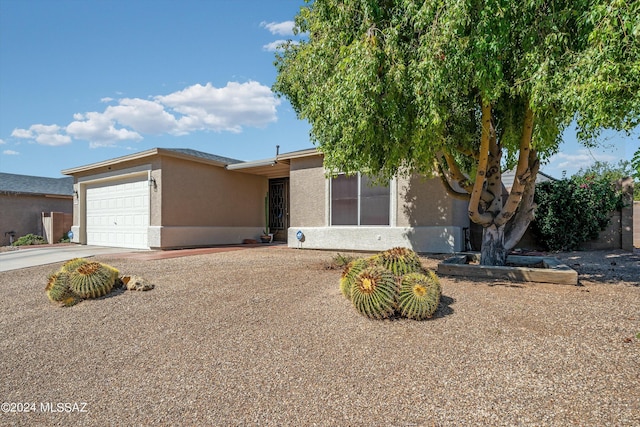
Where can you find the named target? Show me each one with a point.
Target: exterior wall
(308, 188)
(425, 202)
(423, 217)
(22, 213)
(204, 205)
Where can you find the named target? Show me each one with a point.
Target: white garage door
(118, 213)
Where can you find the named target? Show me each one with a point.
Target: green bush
(30, 239)
(573, 211)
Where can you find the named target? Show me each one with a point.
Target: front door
(279, 208)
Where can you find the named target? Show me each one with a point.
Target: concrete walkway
(51, 254)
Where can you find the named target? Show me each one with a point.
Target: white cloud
(43, 134)
(583, 158)
(106, 99)
(2, 141)
(22, 133)
(195, 108)
(10, 153)
(99, 130)
(280, 28)
(275, 45)
(142, 116)
(222, 109)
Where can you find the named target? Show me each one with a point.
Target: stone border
(554, 270)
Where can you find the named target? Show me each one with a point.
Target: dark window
(356, 201)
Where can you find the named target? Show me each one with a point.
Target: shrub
(573, 211)
(30, 239)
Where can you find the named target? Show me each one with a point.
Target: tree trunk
(493, 251)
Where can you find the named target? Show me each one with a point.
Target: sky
(82, 81)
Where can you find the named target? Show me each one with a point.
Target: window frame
(359, 176)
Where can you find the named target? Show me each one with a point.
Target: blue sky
(83, 81)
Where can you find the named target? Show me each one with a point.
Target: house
(174, 198)
(24, 199)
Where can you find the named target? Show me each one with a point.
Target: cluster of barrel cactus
(79, 279)
(391, 283)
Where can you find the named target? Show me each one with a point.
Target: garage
(117, 213)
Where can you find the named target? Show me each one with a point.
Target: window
(356, 201)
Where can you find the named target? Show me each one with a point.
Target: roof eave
(142, 155)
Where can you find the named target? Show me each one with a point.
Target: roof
(202, 155)
(275, 167)
(27, 184)
(182, 153)
(509, 176)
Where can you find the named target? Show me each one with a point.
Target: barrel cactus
(73, 264)
(419, 295)
(400, 261)
(374, 292)
(58, 289)
(350, 272)
(92, 280)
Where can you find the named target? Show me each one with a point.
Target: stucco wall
(23, 213)
(425, 202)
(308, 193)
(196, 194)
(424, 218)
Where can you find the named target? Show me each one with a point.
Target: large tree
(464, 89)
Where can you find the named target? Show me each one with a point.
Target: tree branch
(456, 174)
(447, 186)
(519, 224)
(478, 187)
(523, 171)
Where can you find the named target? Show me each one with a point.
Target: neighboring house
(24, 199)
(174, 198)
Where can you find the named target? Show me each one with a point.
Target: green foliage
(635, 164)
(388, 84)
(573, 211)
(374, 292)
(341, 261)
(30, 239)
(419, 295)
(92, 280)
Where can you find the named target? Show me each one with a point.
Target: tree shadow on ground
(605, 266)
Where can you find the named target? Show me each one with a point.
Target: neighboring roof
(510, 175)
(182, 153)
(27, 184)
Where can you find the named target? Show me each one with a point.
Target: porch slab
(522, 269)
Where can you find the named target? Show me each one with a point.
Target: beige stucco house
(172, 198)
(26, 200)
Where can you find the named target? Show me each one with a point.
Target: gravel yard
(263, 337)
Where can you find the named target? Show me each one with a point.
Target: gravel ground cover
(264, 337)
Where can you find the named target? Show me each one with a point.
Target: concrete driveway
(22, 258)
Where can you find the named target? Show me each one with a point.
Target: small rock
(136, 283)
